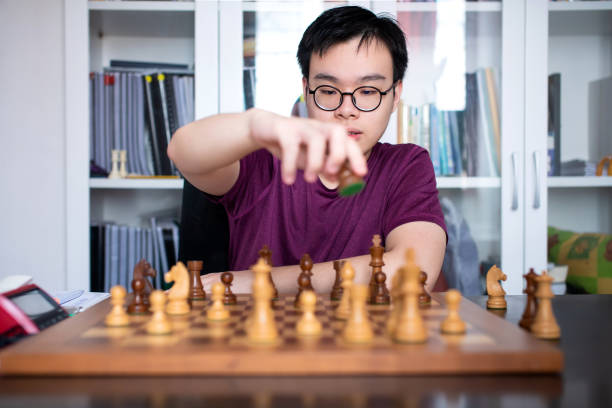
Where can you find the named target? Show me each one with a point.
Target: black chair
(204, 231)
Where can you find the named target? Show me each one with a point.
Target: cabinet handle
(514, 181)
(536, 169)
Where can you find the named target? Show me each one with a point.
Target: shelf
(564, 182)
(468, 182)
(136, 184)
(141, 5)
(174, 184)
(580, 6)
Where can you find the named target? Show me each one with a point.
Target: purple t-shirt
(310, 218)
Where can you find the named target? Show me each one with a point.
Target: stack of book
(578, 168)
(116, 249)
(137, 107)
(465, 142)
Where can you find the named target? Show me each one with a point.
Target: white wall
(32, 149)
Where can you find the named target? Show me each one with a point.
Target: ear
(304, 88)
(398, 94)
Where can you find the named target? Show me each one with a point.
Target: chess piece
(606, 160)
(379, 294)
(544, 325)
(453, 323)
(114, 174)
(228, 298)
(196, 290)
(358, 328)
(159, 323)
(266, 254)
(138, 305)
(410, 327)
(178, 294)
(350, 184)
(143, 270)
(424, 298)
(396, 300)
(304, 279)
(217, 310)
(531, 305)
(494, 289)
(336, 293)
(262, 326)
(123, 163)
(308, 325)
(117, 316)
(344, 308)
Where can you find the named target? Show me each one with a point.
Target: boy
(277, 177)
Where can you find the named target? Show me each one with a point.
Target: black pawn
(381, 295)
(228, 298)
(424, 298)
(138, 305)
(336, 293)
(303, 284)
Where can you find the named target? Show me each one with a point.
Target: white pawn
(358, 328)
(453, 323)
(217, 310)
(159, 323)
(117, 317)
(308, 325)
(344, 308)
(114, 174)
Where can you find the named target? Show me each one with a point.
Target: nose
(347, 109)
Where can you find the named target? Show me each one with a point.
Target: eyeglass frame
(381, 93)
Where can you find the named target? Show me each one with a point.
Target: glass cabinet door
(453, 104)
(576, 78)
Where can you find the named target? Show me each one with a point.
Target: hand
(314, 146)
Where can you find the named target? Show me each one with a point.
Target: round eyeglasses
(364, 98)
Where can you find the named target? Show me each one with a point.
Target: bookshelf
(209, 35)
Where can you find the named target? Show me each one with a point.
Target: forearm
(323, 274)
(211, 143)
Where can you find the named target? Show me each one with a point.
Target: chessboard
(83, 345)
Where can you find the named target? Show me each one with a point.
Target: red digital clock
(25, 311)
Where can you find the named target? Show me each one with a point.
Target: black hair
(341, 24)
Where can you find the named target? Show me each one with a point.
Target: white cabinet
(573, 39)
(243, 50)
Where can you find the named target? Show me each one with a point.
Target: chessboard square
(145, 339)
(108, 332)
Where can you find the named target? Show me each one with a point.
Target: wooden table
(586, 379)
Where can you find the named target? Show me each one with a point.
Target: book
(553, 137)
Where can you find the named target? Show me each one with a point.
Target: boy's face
(346, 68)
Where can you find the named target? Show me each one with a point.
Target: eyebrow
(366, 78)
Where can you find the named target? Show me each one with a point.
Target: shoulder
(399, 158)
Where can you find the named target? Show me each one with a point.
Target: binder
(123, 256)
(131, 256)
(155, 148)
(97, 264)
(163, 98)
(554, 123)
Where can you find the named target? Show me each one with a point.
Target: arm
(208, 151)
(427, 239)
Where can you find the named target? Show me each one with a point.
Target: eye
(327, 91)
(367, 91)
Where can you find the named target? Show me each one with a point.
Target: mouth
(354, 133)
